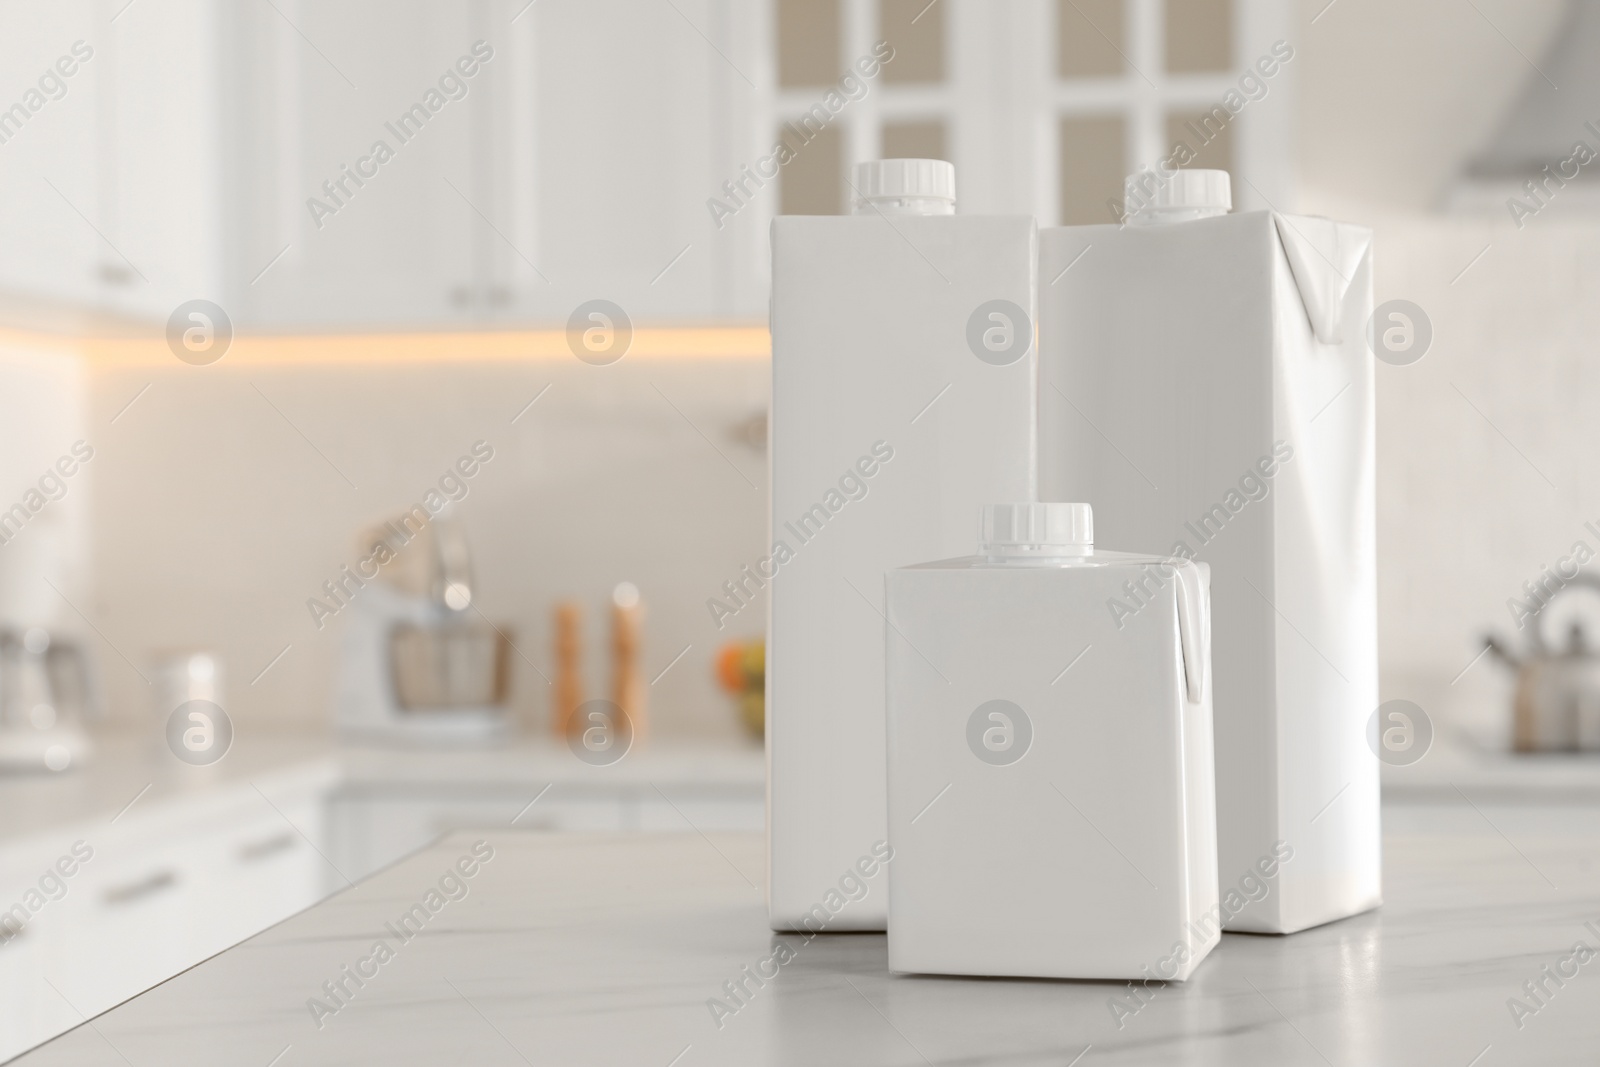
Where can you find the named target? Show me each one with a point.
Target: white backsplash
(217, 520)
(1485, 446)
(44, 543)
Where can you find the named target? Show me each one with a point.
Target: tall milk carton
(1207, 383)
(903, 378)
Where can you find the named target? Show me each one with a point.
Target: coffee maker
(46, 693)
(420, 663)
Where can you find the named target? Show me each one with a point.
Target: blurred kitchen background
(383, 325)
(375, 344)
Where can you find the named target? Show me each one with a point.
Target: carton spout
(1324, 256)
(1194, 625)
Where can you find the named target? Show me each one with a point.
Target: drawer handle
(260, 850)
(127, 894)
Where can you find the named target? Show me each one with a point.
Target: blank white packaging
(1206, 380)
(1051, 797)
(903, 378)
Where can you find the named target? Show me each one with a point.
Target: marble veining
(610, 950)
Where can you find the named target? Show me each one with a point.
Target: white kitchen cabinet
(216, 854)
(371, 826)
(326, 227)
(49, 159)
(116, 191)
(576, 165)
(164, 888)
(136, 918)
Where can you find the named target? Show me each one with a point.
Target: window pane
(1088, 35)
(914, 140)
(1207, 134)
(810, 183)
(1199, 36)
(808, 43)
(1092, 164)
(915, 29)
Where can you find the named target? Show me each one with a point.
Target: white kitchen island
(117, 876)
(610, 949)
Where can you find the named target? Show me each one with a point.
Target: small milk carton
(903, 381)
(1206, 379)
(1051, 800)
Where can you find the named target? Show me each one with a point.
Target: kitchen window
(1091, 91)
(904, 110)
(1132, 79)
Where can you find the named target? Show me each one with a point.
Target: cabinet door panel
(576, 164)
(366, 141)
(132, 923)
(50, 178)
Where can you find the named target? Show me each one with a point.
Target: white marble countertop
(606, 950)
(125, 763)
(1567, 777)
(130, 767)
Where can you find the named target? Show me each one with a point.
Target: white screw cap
(1037, 530)
(1185, 190)
(927, 185)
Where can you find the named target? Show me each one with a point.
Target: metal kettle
(1557, 702)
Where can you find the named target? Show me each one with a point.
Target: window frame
(861, 123)
(1002, 102)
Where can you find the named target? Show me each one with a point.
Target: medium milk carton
(1051, 803)
(1206, 381)
(903, 377)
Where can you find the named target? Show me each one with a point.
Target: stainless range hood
(1556, 110)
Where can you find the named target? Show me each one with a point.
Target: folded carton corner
(1324, 257)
